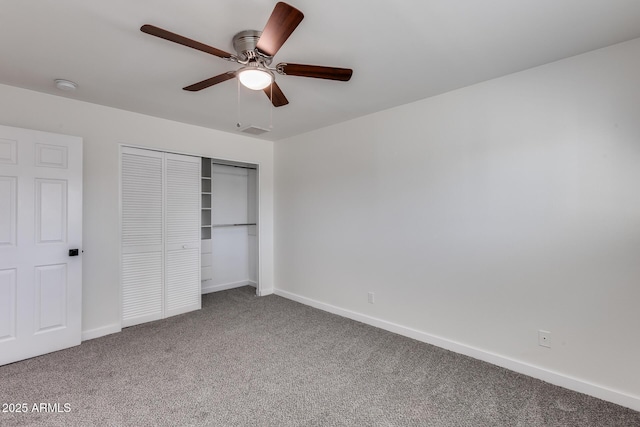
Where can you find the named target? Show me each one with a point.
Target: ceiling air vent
(253, 130)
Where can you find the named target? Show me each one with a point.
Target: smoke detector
(66, 85)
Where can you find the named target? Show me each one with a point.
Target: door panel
(182, 210)
(51, 211)
(183, 272)
(8, 206)
(141, 200)
(51, 156)
(41, 219)
(142, 241)
(141, 287)
(183, 202)
(8, 151)
(8, 292)
(51, 297)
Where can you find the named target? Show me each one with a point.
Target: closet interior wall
(229, 256)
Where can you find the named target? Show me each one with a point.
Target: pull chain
(271, 108)
(238, 110)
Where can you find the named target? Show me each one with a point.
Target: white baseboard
(101, 331)
(206, 289)
(552, 377)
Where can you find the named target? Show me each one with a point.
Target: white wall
(480, 216)
(103, 129)
(230, 245)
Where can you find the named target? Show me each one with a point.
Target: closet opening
(229, 225)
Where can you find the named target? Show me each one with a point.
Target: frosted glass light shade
(255, 78)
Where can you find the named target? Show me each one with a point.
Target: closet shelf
(231, 225)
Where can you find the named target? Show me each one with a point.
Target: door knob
(73, 252)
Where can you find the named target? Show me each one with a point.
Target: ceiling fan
(255, 51)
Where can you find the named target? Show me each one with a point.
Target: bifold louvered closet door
(160, 235)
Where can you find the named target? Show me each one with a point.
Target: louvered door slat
(183, 202)
(182, 209)
(141, 200)
(142, 244)
(160, 235)
(183, 270)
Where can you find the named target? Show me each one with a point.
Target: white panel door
(40, 222)
(142, 235)
(182, 247)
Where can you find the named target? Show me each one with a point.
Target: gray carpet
(248, 361)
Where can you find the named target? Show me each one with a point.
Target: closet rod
(234, 166)
(231, 225)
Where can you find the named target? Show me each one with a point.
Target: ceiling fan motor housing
(245, 43)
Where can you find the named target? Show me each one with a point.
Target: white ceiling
(400, 51)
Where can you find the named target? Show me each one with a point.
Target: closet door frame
(259, 291)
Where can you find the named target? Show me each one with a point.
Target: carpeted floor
(248, 361)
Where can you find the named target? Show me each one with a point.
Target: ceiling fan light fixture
(255, 78)
(254, 52)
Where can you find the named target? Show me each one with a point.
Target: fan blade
(277, 99)
(210, 82)
(315, 71)
(173, 37)
(283, 20)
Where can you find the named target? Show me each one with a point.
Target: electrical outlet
(371, 298)
(544, 338)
